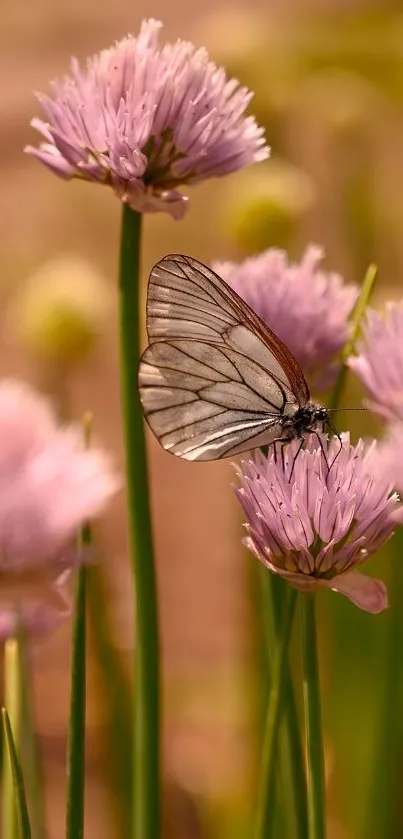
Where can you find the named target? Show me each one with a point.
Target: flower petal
(365, 592)
(52, 158)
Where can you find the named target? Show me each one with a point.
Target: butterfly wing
(204, 401)
(215, 381)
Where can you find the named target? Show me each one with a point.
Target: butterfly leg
(336, 433)
(301, 444)
(282, 448)
(315, 432)
(284, 441)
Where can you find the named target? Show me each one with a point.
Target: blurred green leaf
(24, 829)
(382, 815)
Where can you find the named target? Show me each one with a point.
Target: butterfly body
(307, 419)
(215, 381)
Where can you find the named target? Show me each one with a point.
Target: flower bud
(60, 311)
(265, 210)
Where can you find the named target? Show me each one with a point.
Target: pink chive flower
(306, 307)
(389, 456)
(49, 486)
(317, 528)
(37, 618)
(379, 360)
(146, 119)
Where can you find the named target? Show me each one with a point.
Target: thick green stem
(313, 722)
(146, 817)
(264, 817)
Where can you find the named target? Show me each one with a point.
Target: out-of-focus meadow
(329, 89)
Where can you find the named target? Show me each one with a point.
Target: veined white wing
(215, 381)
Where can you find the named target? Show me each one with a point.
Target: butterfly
(215, 381)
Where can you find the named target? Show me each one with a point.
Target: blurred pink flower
(146, 119)
(317, 528)
(388, 460)
(379, 360)
(36, 618)
(306, 307)
(49, 486)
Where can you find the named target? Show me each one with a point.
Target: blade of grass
(12, 701)
(362, 302)
(20, 802)
(116, 698)
(313, 721)
(29, 747)
(76, 735)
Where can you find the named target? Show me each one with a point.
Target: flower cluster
(307, 308)
(317, 527)
(145, 119)
(49, 485)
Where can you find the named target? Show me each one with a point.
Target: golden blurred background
(328, 78)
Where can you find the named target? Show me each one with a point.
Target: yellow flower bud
(263, 209)
(61, 309)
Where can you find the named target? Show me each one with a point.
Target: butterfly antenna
(330, 410)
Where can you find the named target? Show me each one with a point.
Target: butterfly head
(318, 413)
(309, 417)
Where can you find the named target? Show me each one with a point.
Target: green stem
(12, 702)
(362, 302)
(115, 698)
(274, 604)
(76, 737)
(264, 817)
(146, 818)
(313, 722)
